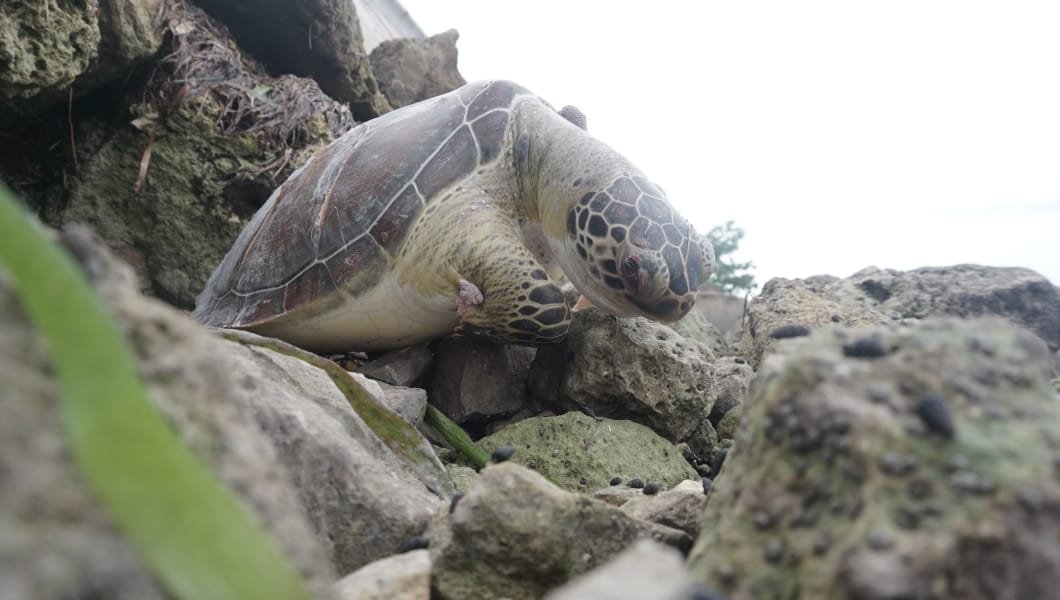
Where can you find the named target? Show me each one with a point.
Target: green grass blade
(193, 534)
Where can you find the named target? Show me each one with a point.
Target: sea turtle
(456, 214)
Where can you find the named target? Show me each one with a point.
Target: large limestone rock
(411, 69)
(639, 370)
(515, 535)
(45, 47)
(874, 295)
(581, 454)
(325, 480)
(319, 39)
(925, 468)
(57, 542)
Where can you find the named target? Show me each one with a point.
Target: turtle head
(632, 254)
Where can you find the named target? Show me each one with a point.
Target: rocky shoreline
(885, 435)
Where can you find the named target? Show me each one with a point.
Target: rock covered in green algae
(845, 482)
(580, 453)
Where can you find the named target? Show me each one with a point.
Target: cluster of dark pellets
(789, 331)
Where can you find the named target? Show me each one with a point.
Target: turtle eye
(631, 272)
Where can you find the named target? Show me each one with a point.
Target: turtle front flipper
(520, 303)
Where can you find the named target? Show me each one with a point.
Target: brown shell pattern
(336, 221)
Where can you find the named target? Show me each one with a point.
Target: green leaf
(190, 531)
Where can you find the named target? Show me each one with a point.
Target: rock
(408, 403)
(45, 48)
(785, 302)
(639, 370)
(724, 311)
(475, 380)
(839, 485)
(730, 423)
(360, 497)
(402, 367)
(169, 174)
(644, 570)
(873, 296)
(409, 70)
(319, 39)
(695, 326)
(57, 542)
(495, 543)
(680, 507)
(399, 577)
(579, 453)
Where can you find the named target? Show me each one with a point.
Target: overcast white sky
(838, 135)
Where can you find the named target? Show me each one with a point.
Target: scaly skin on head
(614, 233)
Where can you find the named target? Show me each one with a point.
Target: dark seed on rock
(636, 484)
(707, 484)
(762, 519)
(587, 411)
(932, 409)
(456, 498)
(789, 331)
(415, 542)
(616, 480)
(719, 460)
(702, 592)
(740, 360)
(866, 347)
(821, 543)
(773, 551)
(652, 488)
(502, 454)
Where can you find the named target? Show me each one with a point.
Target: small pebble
(456, 498)
(502, 454)
(616, 480)
(866, 347)
(932, 409)
(740, 360)
(414, 543)
(636, 484)
(789, 331)
(652, 488)
(773, 550)
(880, 539)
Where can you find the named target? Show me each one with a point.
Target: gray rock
(319, 39)
(644, 570)
(925, 467)
(402, 367)
(874, 296)
(729, 424)
(495, 542)
(408, 403)
(579, 453)
(400, 577)
(680, 507)
(57, 542)
(695, 326)
(46, 47)
(475, 380)
(639, 370)
(409, 70)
